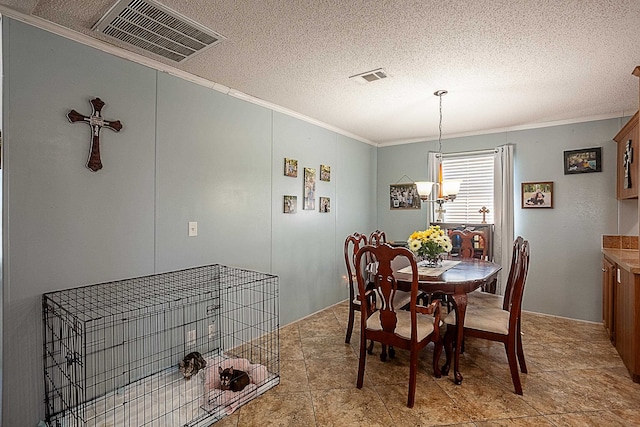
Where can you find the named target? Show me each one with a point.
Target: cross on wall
(97, 122)
(484, 211)
(626, 162)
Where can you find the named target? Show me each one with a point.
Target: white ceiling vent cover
(157, 29)
(370, 76)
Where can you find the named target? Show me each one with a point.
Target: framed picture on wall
(290, 204)
(585, 160)
(404, 196)
(309, 189)
(325, 205)
(325, 173)
(537, 194)
(290, 167)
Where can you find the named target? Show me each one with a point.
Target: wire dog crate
(111, 350)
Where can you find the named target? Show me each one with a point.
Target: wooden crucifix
(484, 211)
(96, 122)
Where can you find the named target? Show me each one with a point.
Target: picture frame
(404, 196)
(290, 205)
(290, 167)
(309, 202)
(325, 173)
(584, 160)
(537, 195)
(325, 205)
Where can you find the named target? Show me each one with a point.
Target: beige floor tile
(432, 405)
(576, 378)
(326, 346)
(276, 409)
(334, 373)
(322, 323)
(538, 421)
(484, 398)
(630, 417)
(556, 392)
(291, 346)
(293, 377)
(593, 419)
(350, 407)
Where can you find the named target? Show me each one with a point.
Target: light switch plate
(193, 229)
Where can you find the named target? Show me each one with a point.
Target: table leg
(460, 302)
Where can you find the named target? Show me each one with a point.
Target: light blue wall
(185, 153)
(564, 276)
(188, 153)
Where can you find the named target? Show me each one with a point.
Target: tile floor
(576, 378)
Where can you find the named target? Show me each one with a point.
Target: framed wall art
(309, 189)
(325, 173)
(404, 196)
(585, 160)
(290, 204)
(537, 194)
(325, 205)
(290, 167)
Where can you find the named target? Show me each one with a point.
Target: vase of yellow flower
(429, 245)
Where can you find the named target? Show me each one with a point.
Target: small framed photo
(537, 194)
(325, 205)
(585, 160)
(290, 167)
(325, 173)
(290, 204)
(404, 196)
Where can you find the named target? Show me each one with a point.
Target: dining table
(456, 278)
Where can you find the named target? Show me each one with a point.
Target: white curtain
(503, 210)
(433, 166)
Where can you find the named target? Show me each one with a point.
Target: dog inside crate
(113, 351)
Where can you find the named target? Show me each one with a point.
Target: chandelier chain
(440, 128)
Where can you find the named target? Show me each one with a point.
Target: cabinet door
(628, 133)
(608, 295)
(624, 317)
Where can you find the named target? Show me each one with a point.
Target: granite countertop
(627, 259)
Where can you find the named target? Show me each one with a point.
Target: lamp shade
(424, 188)
(451, 187)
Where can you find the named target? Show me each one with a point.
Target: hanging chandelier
(447, 190)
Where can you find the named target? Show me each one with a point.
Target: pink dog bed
(229, 401)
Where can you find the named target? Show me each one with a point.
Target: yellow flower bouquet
(430, 244)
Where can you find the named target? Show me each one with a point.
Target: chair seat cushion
(400, 299)
(484, 299)
(489, 319)
(403, 325)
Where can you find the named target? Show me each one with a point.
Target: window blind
(476, 190)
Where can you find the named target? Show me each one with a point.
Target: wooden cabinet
(627, 321)
(629, 133)
(608, 295)
(621, 313)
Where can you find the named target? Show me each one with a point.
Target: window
(476, 190)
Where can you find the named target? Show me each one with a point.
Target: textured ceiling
(505, 63)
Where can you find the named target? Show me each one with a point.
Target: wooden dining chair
(377, 237)
(411, 329)
(500, 324)
(401, 298)
(488, 299)
(472, 243)
(352, 244)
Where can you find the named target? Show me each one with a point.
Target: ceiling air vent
(157, 29)
(370, 76)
